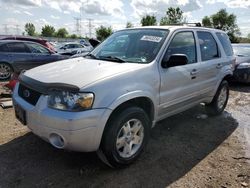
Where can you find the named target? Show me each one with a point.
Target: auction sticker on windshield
(151, 38)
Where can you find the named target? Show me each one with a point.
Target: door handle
(193, 72)
(219, 65)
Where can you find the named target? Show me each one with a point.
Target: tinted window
(133, 45)
(4, 48)
(18, 47)
(35, 48)
(208, 46)
(78, 46)
(226, 44)
(183, 43)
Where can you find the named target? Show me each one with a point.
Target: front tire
(125, 137)
(219, 102)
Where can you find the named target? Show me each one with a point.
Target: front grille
(28, 94)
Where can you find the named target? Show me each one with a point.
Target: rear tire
(125, 136)
(219, 102)
(5, 71)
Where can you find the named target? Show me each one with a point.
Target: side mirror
(174, 60)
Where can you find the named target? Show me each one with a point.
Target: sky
(115, 13)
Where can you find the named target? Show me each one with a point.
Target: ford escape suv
(108, 100)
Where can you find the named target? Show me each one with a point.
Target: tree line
(174, 16)
(48, 31)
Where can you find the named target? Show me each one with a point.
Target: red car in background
(32, 39)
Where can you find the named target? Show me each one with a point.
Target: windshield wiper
(91, 55)
(112, 58)
(240, 55)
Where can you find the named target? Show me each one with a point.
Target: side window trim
(173, 36)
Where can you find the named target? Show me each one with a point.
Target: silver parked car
(242, 65)
(109, 100)
(72, 48)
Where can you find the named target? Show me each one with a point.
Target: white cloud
(55, 17)
(90, 7)
(159, 7)
(28, 13)
(23, 3)
(17, 12)
(216, 1)
(239, 4)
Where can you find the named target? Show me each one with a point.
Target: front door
(180, 84)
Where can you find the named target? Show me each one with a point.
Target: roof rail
(196, 24)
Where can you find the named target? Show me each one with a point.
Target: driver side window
(183, 43)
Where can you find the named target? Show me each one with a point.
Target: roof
(175, 27)
(16, 37)
(241, 44)
(10, 41)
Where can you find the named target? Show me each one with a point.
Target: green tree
(30, 29)
(103, 32)
(148, 20)
(223, 21)
(206, 21)
(61, 33)
(173, 16)
(48, 31)
(129, 25)
(248, 36)
(73, 36)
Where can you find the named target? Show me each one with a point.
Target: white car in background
(73, 48)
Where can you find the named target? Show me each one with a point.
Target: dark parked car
(16, 56)
(242, 68)
(31, 39)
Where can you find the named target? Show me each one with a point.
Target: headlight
(69, 101)
(243, 65)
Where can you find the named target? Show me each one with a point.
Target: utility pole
(90, 27)
(17, 29)
(5, 29)
(78, 25)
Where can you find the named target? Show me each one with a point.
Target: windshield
(135, 46)
(243, 51)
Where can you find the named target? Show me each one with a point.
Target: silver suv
(109, 100)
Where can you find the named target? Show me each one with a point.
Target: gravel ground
(186, 150)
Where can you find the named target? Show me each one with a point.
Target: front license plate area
(20, 114)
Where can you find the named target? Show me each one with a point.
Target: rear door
(210, 57)
(19, 55)
(180, 85)
(40, 54)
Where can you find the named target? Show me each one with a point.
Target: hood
(243, 59)
(79, 72)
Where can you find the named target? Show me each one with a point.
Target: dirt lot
(187, 150)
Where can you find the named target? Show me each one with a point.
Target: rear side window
(208, 46)
(183, 43)
(18, 47)
(37, 49)
(226, 44)
(4, 48)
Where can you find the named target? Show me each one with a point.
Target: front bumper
(78, 131)
(242, 75)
